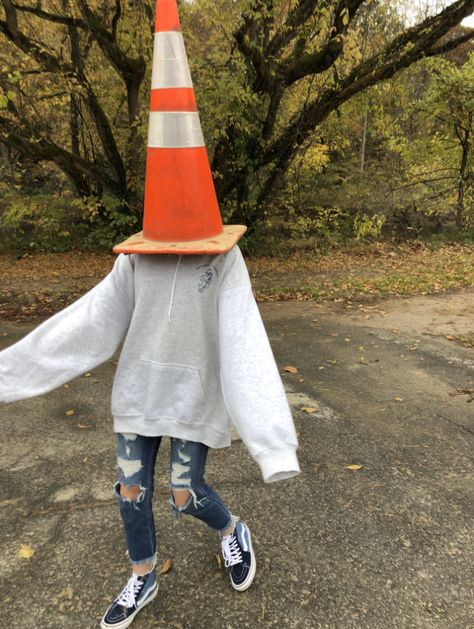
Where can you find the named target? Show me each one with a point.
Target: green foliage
(34, 223)
(319, 230)
(410, 173)
(405, 184)
(54, 223)
(105, 221)
(324, 223)
(368, 227)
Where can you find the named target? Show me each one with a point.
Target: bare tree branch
(116, 18)
(317, 62)
(44, 149)
(9, 28)
(50, 17)
(380, 67)
(298, 16)
(451, 44)
(248, 39)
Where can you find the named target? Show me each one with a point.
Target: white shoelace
(231, 551)
(129, 593)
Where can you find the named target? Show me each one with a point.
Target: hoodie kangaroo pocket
(130, 388)
(173, 392)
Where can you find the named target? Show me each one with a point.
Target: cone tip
(167, 16)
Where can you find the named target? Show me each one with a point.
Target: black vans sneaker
(239, 557)
(139, 591)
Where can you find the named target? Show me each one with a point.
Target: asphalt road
(388, 545)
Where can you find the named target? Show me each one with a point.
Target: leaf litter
(38, 285)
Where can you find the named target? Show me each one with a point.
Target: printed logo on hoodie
(208, 273)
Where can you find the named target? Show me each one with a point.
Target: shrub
(37, 222)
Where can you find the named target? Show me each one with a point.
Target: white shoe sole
(130, 619)
(248, 581)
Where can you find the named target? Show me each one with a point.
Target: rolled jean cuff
(141, 562)
(229, 523)
(233, 520)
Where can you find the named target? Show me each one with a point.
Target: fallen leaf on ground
(26, 552)
(165, 566)
(332, 362)
(308, 599)
(8, 502)
(218, 561)
(70, 412)
(354, 467)
(290, 369)
(68, 592)
(83, 425)
(308, 409)
(398, 399)
(469, 392)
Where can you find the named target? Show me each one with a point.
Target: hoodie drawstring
(173, 289)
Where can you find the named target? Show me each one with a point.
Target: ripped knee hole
(130, 492)
(181, 497)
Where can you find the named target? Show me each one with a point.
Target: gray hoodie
(195, 358)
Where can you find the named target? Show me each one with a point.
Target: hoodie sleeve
(73, 341)
(252, 386)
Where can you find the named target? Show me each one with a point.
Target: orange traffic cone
(181, 211)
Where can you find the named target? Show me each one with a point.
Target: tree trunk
(363, 142)
(277, 50)
(5, 154)
(463, 135)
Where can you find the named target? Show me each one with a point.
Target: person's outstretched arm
(252, 387)
(73, 341)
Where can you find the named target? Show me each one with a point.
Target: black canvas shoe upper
(137, 590)
(238, 554)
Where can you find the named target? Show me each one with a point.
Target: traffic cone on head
(181, 213)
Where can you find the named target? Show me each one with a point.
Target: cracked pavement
(388, 545)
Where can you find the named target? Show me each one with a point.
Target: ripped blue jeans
(136, 457)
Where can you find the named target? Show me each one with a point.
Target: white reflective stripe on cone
(170, 63)
(174, 129)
